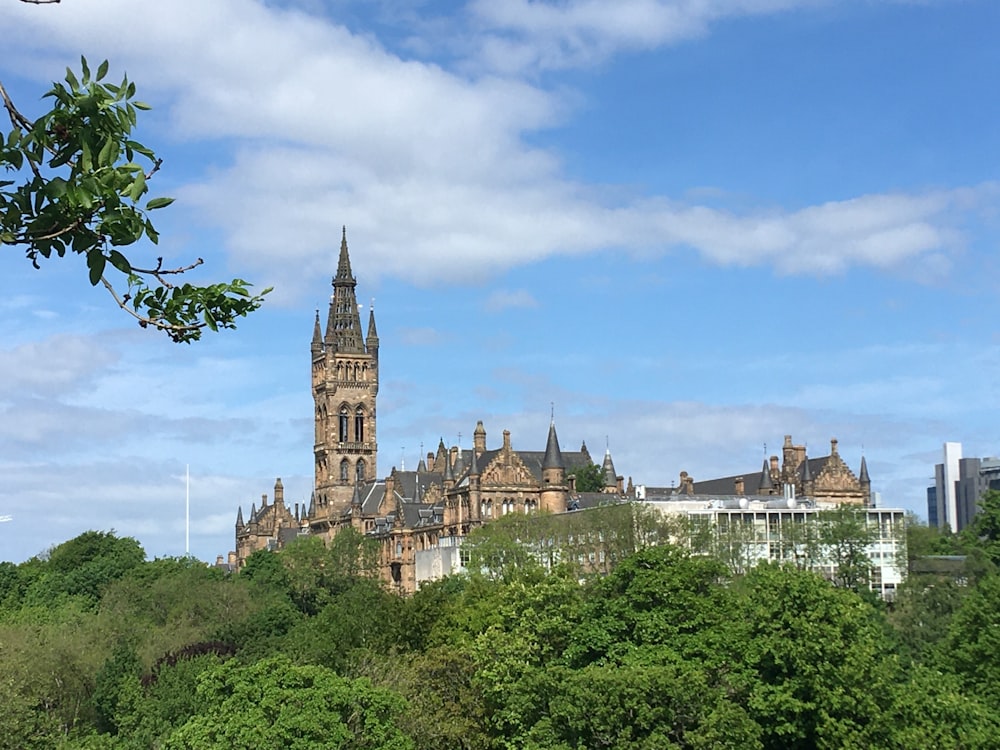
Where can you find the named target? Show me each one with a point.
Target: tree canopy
(664, 648)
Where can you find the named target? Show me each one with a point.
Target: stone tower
(345, 385)
(553, 493)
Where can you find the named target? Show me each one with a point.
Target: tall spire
(239, 518)
(344, 261)
(371, 341)
(317, 339)
(863, 476)
(343, 326)
(553, 456)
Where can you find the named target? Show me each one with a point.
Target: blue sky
(693, 227)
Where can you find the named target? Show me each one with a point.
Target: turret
(449, 472)
(475, 487)
(371, 341)
(806, 478)
(765, 486)
(611, 484)
(866, 483)
(316, 347)
(279, 493)
(555, 492)
(479, 439)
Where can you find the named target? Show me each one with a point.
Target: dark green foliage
(668, 650)
(659, 596)
(971, 648)
(819, 659)
(122, 666)
(984, 532)
(277, 704)
(361, 617)
(589, 478)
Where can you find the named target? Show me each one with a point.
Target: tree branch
(172, 329)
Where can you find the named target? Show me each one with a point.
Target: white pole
(187, 510)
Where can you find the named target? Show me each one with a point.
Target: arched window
(359, 425)
(345, 467)
(359, 470)
(343, 424)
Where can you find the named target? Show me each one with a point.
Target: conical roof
(553, 456)
(608, 468)
(765, 477)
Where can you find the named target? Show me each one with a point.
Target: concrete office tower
(946, 476)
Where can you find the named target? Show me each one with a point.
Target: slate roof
(751, 480)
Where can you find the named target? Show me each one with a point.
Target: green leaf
(155, 203)
(120, 262)
(96, 261)
(107, 156)
(86, 69)
(71, 80)
(102, 70)
(141, 105)
(138, 187)
(55, 188)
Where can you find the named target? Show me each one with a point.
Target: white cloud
(430, 169)
(58, 365)
(524, 35)
(420, 336)
(505, 299)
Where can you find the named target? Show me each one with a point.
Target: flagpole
(187, 510)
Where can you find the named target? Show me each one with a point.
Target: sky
(686, 228)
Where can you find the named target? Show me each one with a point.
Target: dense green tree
(658, 597)
(149, 709)
(121, 667)
(931, 710)
(589, 478)
(972, 646)
(639, 706)
(845, 536)
(984, 531)
(820, 660)
(363, 616)
(74, 182)
(277, 704)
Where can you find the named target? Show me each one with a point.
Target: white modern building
(749, 530)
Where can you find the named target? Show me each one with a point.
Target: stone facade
(452, 492)
(827, 480)
(419, 518)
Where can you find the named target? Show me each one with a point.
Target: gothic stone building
(451, 492)
(827, 480)
(454, 490)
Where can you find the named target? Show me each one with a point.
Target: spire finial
(552, 411)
